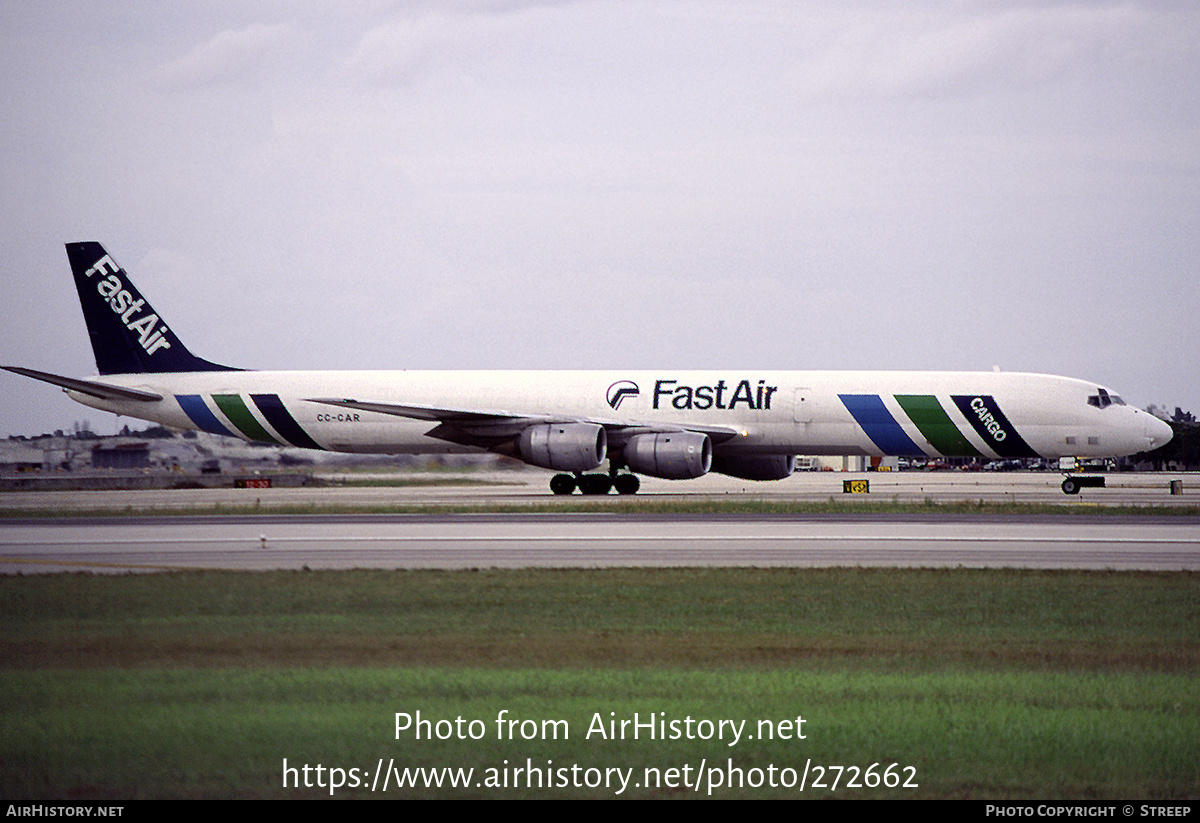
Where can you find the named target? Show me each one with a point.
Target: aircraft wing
(435, 414)
(473, 425)
(89, 387)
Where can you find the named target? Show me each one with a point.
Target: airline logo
(718, 396)
(151, 334)
(620, 390)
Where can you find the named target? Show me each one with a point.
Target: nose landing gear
(1073, 483)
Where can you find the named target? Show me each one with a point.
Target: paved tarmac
(277, 541)
(596, 540)
(531, 487)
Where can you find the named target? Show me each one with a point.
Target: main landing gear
(595, 483)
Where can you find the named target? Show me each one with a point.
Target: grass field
(982, 684)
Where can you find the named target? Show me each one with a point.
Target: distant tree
(152, 433)
(1184, 447)
(83, 431)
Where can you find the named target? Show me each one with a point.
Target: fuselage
(745, 412)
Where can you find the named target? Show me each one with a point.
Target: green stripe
(931, 420)
(235, 409)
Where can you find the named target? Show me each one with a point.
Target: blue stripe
(205, 420)
(870, 413)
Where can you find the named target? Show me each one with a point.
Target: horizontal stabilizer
(101, 390)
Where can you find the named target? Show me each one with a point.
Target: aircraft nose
(1158, 432)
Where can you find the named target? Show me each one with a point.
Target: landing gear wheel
(562, 484)
(595, 484)
(1070, 486)
(627, 483)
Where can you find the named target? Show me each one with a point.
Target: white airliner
(669, 424)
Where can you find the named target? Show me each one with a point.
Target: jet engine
(756, 467)
(565, 447)
(669, 455)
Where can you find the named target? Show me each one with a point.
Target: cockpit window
(1102, 399)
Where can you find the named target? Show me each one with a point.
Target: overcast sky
(599, 184)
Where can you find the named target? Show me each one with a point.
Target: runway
(265, 542)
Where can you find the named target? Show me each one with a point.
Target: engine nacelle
(756, 467)
(565, 447)
(669, 455)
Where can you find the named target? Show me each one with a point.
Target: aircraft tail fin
(128, 336)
